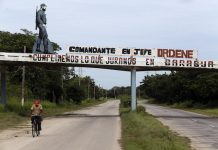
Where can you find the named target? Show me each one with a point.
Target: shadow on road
(186, 117)
(85, 116)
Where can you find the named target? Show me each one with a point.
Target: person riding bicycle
(36, 111)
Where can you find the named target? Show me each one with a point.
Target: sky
(182, 24)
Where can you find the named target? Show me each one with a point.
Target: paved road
(96, 128)
(200, 129)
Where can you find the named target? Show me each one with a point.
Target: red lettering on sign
(175, 53)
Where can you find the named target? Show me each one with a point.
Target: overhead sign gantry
(117, 58)
(125, 59)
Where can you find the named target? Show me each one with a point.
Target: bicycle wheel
(38, 133)
(37, 129)
(33, 129)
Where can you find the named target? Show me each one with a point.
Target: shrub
(140, 109)
(184, 104)
(47, 104)
(15, 106)
(76, 94)
(1, 108)
(102, 99)
(125, 101)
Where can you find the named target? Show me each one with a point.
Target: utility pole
(100, 91)
(106, 94)
(139, 93)
(94, 91)
(114, 93)
(88, 88)
(80, 74)
(62, 84)
(23, 81)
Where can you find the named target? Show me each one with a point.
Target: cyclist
(36, 111)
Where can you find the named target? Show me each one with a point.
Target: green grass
(58, 109)
(213, 112)
(141, 131)
(10, 119)
(13, 114)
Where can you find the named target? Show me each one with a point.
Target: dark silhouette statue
(42, 44)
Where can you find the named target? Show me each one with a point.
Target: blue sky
(184, 24)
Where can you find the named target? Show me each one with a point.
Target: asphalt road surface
(96, 128)
(200, 129)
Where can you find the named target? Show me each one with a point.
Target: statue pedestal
(42, 50)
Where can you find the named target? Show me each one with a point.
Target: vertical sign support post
(133, 89)
(3, 99)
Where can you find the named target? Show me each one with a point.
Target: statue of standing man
(42, 44)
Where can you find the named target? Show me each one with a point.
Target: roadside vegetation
(194, 91)
(55, 84)
(141, 131)
(209, 111)
(13, 114)
(212, 112)
(183, 89)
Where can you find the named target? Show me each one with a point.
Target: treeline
(53, 83)
(117, 92)
(189, 89)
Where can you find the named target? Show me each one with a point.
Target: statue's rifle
(36, 16)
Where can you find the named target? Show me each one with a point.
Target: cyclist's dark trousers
(43, 36)
(38, 119)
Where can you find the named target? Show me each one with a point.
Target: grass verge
(212, 112)
(13, 114)
(141, 131)
(10, 119)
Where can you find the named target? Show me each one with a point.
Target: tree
(39, 80)
(44, 82)
(193, 88)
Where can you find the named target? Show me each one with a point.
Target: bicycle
(35, 127)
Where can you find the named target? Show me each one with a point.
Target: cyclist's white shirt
(36, 110)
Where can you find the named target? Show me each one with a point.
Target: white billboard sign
(155, 52)
(122, 60)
